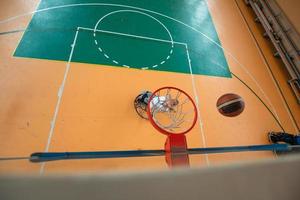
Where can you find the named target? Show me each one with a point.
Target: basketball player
(276, 137)
(163, 104)
(143, 98)
(158, 103)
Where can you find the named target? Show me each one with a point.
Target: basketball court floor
(71, 69)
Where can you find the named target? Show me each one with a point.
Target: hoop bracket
(173, 113)
(176, 151)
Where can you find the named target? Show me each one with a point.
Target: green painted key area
(143, 34)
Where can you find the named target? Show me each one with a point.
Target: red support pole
(176, 151)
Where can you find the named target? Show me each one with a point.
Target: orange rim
(164, 131)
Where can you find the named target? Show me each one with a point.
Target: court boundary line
(162, 61)
(115, 5)
(157, 13)
(67, 70)
(58, 102)
(268, 69)
(130, 35)
(240, 65)
(196, 96)
(203, 137)
(27, 25)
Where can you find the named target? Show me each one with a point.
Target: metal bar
(52, 156)
(277, 42)
(281, 27)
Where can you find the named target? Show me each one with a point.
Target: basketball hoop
(171, 111)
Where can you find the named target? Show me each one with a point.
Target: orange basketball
(230, 105)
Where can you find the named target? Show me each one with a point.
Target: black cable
(268, 65)
(245, 84)
(14, 158)
(55, 29)
(37, 30)
(12, 31)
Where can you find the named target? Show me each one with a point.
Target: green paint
(51, 33)
(130, 56)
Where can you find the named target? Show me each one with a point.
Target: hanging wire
(252, 91)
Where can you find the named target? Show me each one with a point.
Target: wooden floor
(95, 110)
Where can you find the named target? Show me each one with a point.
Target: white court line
(130, 35)
(191, 72)
(157, 13)
(133, 36)
(240, 65)
(133, 7)
(269, 72)
(197, 104)
(61, 89)
(60, 93)
(141, 13)
(19, 40)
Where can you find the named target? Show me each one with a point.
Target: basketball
(230, 105)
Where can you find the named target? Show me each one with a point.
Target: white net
(172, 110)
